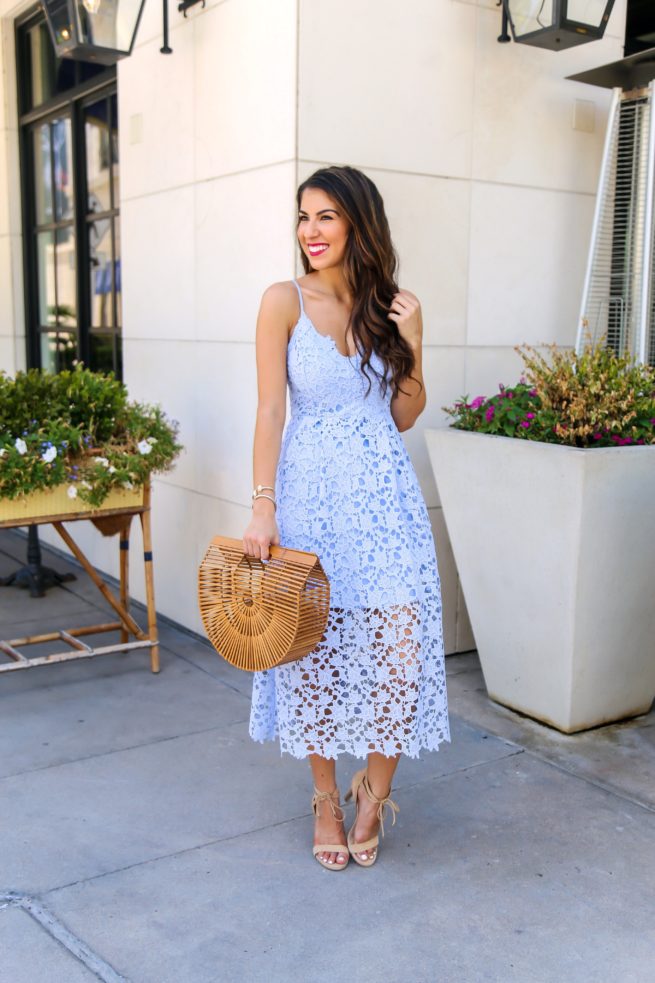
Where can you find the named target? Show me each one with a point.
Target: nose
(310, 229)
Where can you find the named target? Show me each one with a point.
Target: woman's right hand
(262, 530)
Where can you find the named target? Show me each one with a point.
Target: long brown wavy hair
(370, 267)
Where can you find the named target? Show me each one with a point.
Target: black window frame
(72, 103)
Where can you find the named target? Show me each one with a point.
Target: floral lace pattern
(346, 489)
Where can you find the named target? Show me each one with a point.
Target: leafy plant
(591, 399)
(78, 428)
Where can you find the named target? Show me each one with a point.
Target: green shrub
(78, 428)
(591, 399)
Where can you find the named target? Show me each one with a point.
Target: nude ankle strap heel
(361, 780)
(339, 815)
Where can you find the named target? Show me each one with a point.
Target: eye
(327, 216)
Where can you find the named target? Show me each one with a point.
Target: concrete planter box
(555, 548)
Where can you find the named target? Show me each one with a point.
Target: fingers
(258, 546)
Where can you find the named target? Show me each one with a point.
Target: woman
(338, 482)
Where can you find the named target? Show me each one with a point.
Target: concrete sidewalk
(146, 838)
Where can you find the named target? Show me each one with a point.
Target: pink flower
(489, 415)
(529, 416)
(477, 402)
(525, 423)
(598, 436)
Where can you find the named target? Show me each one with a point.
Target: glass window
(45, 262)
(69, 153)
(100, 273)
(114, 151)
(117, 274)
(47, 74)
(66, 350)
(98, 156)
(66, 272)
(49, 350)
(62, 162)
(102, 351)
(42, 173)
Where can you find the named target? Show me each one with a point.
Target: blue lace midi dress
(347, 491)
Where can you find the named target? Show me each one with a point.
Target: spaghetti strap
(297, 286)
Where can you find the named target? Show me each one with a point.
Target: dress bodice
(323, 381)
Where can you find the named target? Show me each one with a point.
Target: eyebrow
(322, 210)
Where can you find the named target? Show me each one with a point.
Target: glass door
(103, 232)
(71, 216)
(54, 242)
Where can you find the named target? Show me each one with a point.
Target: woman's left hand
(405, 310)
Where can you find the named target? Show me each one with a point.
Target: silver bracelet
(260, 488)
(260, 495)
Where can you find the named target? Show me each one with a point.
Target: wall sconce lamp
(554, 24)
(101, 31)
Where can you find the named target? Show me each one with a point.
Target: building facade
(486, 156)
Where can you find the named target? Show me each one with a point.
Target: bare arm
(406, 407)
(272, 336)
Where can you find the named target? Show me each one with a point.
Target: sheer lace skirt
(375, 683)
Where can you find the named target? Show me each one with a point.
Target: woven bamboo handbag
(260, 615)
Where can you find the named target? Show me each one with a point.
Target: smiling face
(322, 229)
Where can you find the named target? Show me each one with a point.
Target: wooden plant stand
(114, 517)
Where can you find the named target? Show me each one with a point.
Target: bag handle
(300, 557)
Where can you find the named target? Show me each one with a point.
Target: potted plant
(74, 443)
(548, 491)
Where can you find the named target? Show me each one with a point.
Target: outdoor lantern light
(556, 24)
(93, 30)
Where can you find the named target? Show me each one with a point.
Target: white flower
(3, 451)
(111, 469)
(85, 484)
(72, 491)
(144, 447)
(128, 485)
(20, 445)
(151, 440)
(102, 460)
(49, 455)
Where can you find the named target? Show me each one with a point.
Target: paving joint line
(58, 931)
(595, 783)
(175, 853)
(207, 672)
(120, 750)
(542, 756)
(257, 829)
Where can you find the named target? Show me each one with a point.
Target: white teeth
(317, 249)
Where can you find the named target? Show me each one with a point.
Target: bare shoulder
(409, 294)
(280, 298)
(278, 310)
